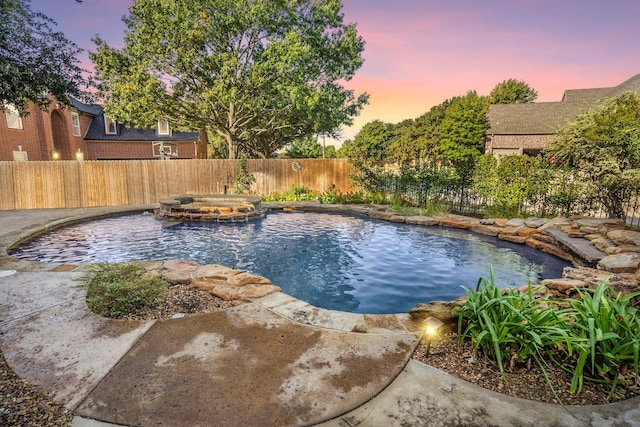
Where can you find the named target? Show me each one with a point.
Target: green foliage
(295, 193)
(304, 148)
(597, 338)
(602, 149)
(259, 73)
(329, 197)
(419, 140)
(509, 325)
(607, 328)
(116, 290)
(369, 147)
(35, 59)
(512, 91)
(330, 152)
(462, 133)
(244, 179)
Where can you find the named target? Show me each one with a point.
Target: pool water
(338, 262)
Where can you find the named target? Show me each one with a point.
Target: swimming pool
(339, 262)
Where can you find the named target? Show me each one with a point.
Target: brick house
(527, 128)
(82, 132)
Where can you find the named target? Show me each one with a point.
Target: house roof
(90, 109)
(540, 118)
(97, 132)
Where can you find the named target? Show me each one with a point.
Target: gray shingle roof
(96, 133)
(540, 118)
(90, 109)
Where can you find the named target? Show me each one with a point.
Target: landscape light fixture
(432, 326)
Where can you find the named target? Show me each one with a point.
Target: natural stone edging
(220, 281)
(599, 249)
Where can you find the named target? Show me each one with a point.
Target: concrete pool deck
(254, 364)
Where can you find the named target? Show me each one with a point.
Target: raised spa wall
(210, 208)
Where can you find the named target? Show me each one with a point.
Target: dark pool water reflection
(332, 261)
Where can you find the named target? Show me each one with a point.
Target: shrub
(116, 290)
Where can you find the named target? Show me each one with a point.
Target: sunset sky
(420, 52)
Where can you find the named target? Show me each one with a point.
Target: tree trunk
(202, 145)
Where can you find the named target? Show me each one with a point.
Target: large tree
(260, 73)
(602, 147)
(512, 91)
(462, 131)
(419, 141)
(35, 59)
(369, 147)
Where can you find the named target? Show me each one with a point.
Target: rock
(256, 291)
(624, 237)
(602, 243)
(215, 270)
(208, 283)
(180, 265)
(549, 248)
(226, 292)
(488, 230)
(381, 215)
(526, 231)
(487, 221)
(556, 222)
(423, 220)
(442, 310)
(455, 223)
(620, 263)
(244, 279)
(512, 238)
(397, 218)
(564, 286)
(589, 230)
(597, 222)
(510, 231)
(515, 222)
(594, 236)
(500, 222)
(535, 222)
(624, 248)
(586, 274)
(182, 277)
(544, 238)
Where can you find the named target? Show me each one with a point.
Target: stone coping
(622, 268)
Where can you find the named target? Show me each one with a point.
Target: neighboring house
(527, 128)
(82, 132)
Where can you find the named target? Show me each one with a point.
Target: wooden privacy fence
(73, 184)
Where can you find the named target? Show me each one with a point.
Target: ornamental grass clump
(595, 337)
(507, 324)
(605, 330)
(117, 290)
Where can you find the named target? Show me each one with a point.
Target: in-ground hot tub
(210, 207)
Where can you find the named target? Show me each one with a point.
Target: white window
(109, 126)
(75, 120)
(14, 121)
(163, 127)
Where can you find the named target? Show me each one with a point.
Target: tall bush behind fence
(73, 184)
(516, 186)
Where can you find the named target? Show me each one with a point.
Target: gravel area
(527, 382)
